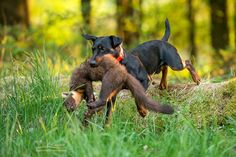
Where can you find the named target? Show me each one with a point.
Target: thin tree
(86, 14)
(129, 16)
(219, 25)
(14, 12)
(191, 19)
(86, 26)
(235, 24)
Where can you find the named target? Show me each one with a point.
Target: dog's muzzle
(93, 63)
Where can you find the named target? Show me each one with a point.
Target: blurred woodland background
(203, 30)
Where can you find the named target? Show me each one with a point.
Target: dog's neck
(108, 62)
(121, 53)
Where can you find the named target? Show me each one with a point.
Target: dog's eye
(101, 47)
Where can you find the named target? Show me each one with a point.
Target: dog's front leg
(163, 83)
(110, 105)
(89, 113)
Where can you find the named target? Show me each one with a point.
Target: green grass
(33, 121)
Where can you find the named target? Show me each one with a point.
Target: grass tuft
(34, 123)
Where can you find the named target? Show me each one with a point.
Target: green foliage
(214, 105)
(57, 25)
(34, 123)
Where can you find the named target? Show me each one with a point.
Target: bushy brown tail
(139, 94)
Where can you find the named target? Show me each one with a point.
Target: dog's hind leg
(163, 83)
(110, 105)
(170, 56)
(192, 71)
(181, 65)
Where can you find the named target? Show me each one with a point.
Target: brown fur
(80, 82)
(116, 78)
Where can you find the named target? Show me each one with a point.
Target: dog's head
(104, 45)
(72, 99)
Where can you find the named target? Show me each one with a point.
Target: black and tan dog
(155, 55)
(116, 78)
(82, 77)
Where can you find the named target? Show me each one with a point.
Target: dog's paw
(162, 86)
(193, 72)
(197, 80)
(90, 99)
(92, 105)
(143, 113)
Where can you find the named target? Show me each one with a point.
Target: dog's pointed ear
(89, 37)
(115, 41)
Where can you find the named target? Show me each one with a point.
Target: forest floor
(34, 122)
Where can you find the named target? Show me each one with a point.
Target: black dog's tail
(167, 31)
(139, 94)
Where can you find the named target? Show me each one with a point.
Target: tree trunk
(191, 18)
(219, 25)
(235, 24)
(86, 14)
(129, 17)
(14, 12)
(86, 27)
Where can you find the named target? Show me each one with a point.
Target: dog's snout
(93, 63)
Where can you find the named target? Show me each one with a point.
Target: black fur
(110, 45)
(155, 55)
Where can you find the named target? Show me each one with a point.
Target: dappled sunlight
(59, 24)
(56, 19)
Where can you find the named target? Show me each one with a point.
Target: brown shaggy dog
(115, 79)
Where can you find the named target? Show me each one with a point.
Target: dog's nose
(93, 63)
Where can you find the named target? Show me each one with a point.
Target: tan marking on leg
(183, 62)
(113, 93)
(150, 77)
(109, 115)
(163, 83)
